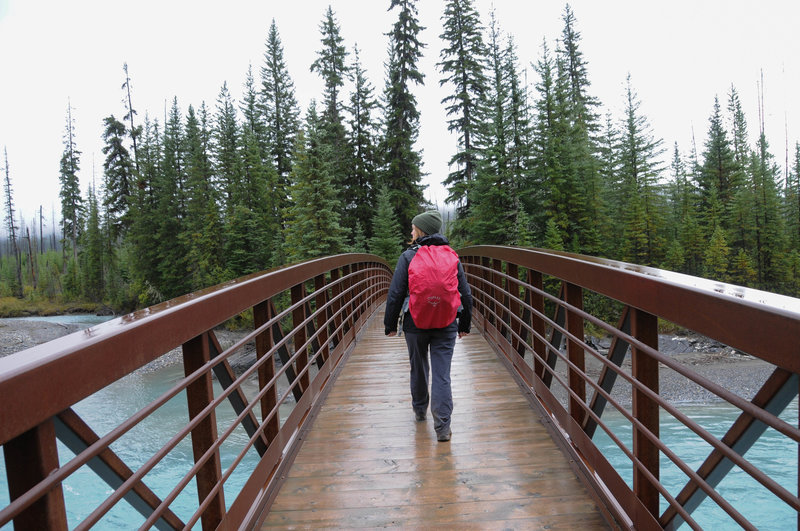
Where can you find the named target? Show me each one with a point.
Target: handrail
(306, 320)
(533, 306)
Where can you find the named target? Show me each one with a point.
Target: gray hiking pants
(440, 343)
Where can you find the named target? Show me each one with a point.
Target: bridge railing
(537, 308)
(240, 423)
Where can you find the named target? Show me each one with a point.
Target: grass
(14, 307)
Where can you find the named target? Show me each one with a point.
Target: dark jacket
(398, 291)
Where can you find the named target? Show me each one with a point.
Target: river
(112, 405)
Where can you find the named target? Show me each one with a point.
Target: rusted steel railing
(306, 319)
(535, 306)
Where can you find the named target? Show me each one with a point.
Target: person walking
(430, 296)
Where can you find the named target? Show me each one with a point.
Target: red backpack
(433, 286)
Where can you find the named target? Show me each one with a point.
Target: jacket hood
(433, 239)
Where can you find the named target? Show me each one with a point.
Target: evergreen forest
(210, 192)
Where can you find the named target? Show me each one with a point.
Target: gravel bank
(739, 373)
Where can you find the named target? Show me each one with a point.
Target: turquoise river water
(107, 408)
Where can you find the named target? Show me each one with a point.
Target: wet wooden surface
(368, 463)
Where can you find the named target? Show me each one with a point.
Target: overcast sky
(680, 55)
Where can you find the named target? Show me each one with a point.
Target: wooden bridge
(330, 439)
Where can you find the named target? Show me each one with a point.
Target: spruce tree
(145, 218)
(202, 228)
(362, 136)
(225, 148)
(118, 172)
(255, 220)
(543, 197)
(386, 234)
(463, 66)
(402, 163)
(91, 252)
(718, 163)
(770, 241)
(792, 201)
(580, 188)
(279, 108)
(70, 192)
(493, 211)
(716, 256)
(332, 67)
(640, 194)
(312, 219)
(170, 193)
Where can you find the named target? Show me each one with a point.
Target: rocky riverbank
(737, 372)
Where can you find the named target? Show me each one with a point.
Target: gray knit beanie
(429, 222)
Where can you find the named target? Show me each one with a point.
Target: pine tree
(463, 66)
(118, 174)
(386, 236)
(279, 108)
(402, 163)
(70, 193)
(312, 219)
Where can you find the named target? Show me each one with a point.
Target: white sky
(680, 54)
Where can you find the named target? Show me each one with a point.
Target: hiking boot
(444, 437)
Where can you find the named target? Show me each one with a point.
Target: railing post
(514, 309)
(575, 353)
(348, 299)
(321, 291)
(487, 291)
(299, 337)
(30, 458)
(199, 394)
(499, 295)
(266, 371)
(536, 300)
(336, 290)
(644, 368)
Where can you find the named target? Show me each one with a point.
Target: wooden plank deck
(366, 462)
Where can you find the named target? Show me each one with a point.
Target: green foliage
(463, 66)
(402, 163)
(386, 235)
(313, 227)
(210, 195)
(118, 175)
(716, 256)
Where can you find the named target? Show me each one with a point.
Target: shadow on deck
(366, 462)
